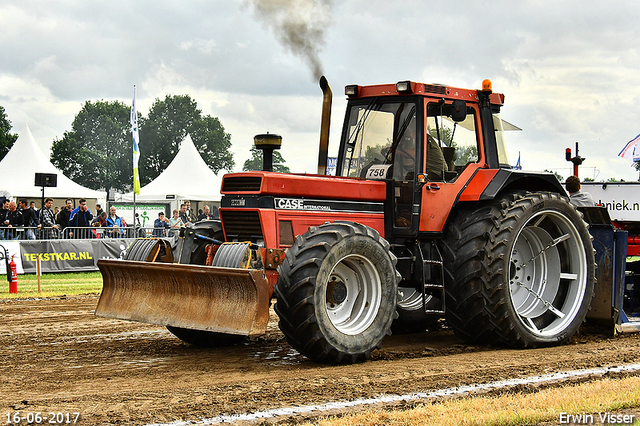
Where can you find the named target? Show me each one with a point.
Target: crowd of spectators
(168, 227)
(25, 221)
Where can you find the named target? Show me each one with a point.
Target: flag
(518, 166)
(136, 146)
(631, 151)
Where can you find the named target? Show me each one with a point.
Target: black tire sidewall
(379, 256)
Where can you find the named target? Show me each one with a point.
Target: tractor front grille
(242, 184)
(242, 225)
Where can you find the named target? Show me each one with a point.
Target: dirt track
(56, 356)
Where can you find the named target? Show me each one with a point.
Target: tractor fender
(509, 180)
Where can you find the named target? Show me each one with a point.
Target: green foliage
(587, 179)
(255, 162)
(445, 135)
(6, 138)
(558, 175)
(374, 153)
(97, 151)
(466, 154)
(168, 123)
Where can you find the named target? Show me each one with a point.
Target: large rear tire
(521, 271)
(336, 292)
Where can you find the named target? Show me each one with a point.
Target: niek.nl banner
(69, 255)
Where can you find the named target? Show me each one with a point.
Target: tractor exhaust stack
(323, 153)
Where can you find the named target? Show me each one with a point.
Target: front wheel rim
(548, 273)
(353, 294)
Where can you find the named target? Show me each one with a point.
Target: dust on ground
(57, 357)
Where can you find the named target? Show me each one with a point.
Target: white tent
(24, 160)
(187, 177)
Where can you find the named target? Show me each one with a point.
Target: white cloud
(569, 70)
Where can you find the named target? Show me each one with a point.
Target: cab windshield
(374, 132)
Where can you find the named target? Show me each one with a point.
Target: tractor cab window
(451, 145)
(380, 141)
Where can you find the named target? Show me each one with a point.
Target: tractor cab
(421, 139)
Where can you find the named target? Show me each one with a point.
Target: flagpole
(136, 156)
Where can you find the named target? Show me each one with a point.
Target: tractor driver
(405, 154)
(404, 161)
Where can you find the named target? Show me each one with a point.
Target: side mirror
(458, 110)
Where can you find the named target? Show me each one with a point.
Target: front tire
(336, 292)
(522, 271)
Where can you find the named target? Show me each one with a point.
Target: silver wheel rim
(409, 299)
(356, 278)
(547, 273)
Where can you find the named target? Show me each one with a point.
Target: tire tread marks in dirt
(477, 249)
(300, 303)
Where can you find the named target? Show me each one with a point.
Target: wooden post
(38, 271)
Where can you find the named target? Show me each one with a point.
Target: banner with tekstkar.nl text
(69, 255)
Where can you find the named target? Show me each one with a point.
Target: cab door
(453, 154)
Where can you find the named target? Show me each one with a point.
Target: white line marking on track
(287, 411)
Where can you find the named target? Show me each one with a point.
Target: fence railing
(24, 233)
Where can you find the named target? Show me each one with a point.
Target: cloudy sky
(570, 69)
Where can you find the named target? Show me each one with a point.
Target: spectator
(13, 220)
(4, 209)
(47, 220)
(175, 222)
(32, 206)
(101, 220)
(190, 213)
(160, 225)
(56, 213)
(205, 214)
(115, 221)
(98, 210)
(29, 219)
(215, 214)
(184, 216)
(81, 217)
(3, 216)
(576, 196)
(63, 217)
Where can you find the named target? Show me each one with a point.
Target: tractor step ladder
(431, 284)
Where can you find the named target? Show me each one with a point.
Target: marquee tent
(23, 161)
(187, 177)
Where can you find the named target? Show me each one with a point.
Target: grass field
(607, 401)
(53, 285)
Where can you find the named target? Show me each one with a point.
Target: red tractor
(424, 218)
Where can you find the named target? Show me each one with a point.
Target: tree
(6, 139)
(168, 123)
(255, 162)
(97, 152)
(557, 175)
